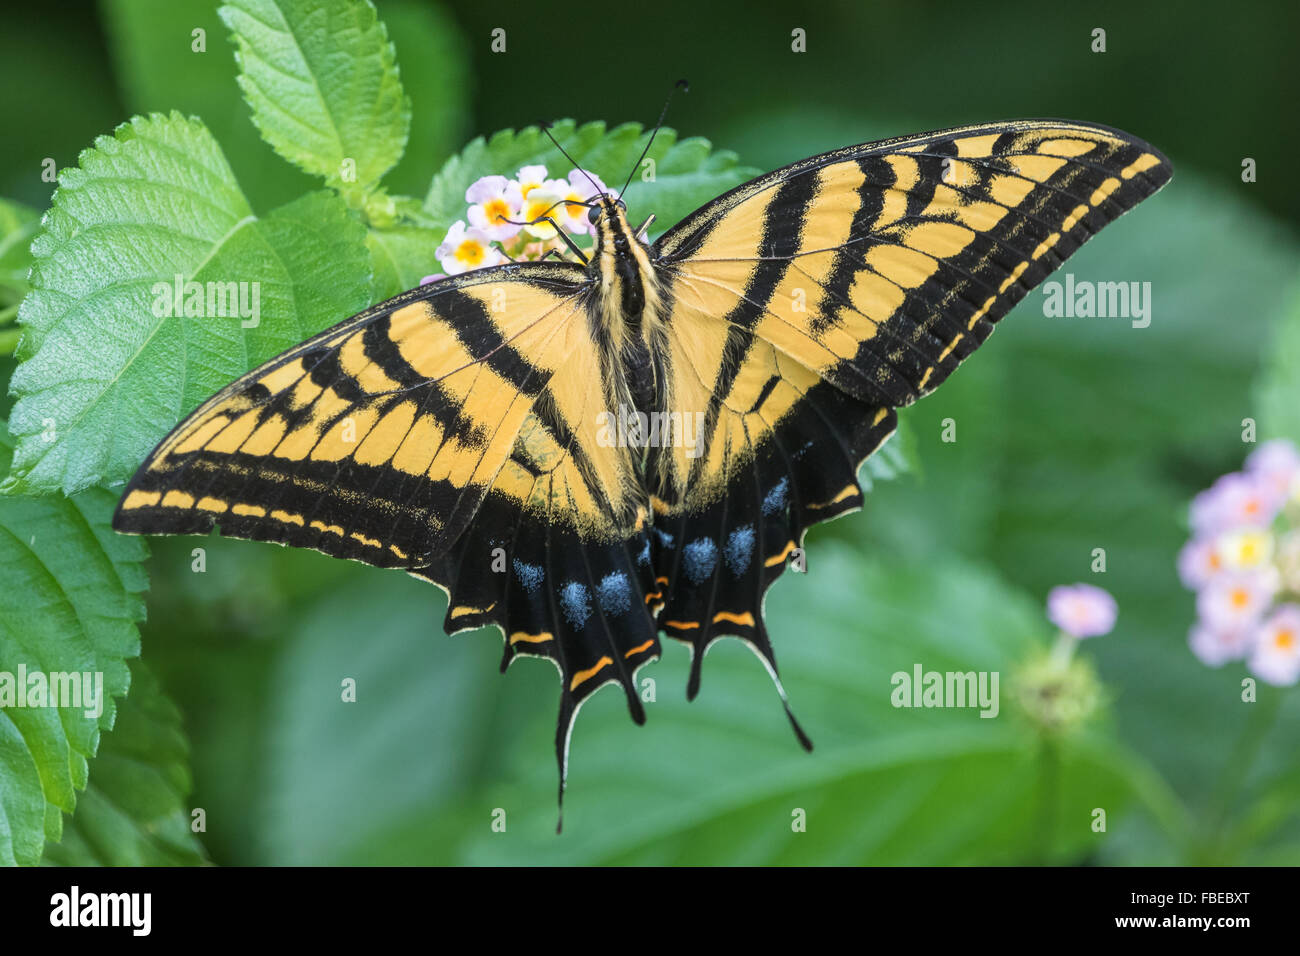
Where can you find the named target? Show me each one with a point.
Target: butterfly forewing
(378, 439)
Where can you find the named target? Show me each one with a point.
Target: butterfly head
(605, 205)
(608, 217)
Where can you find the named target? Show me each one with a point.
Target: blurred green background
(1072, 435)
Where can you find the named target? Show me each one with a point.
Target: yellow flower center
(496, 210)
(1284, 639)
(536, 209)
(470, 252)
(1240, 598)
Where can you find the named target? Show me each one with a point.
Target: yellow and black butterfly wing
(451, 432)
(804, 306)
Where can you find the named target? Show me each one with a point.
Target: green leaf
(157, 69)
(70, 603)
(134, 812)
(322, 81)
(401, 256)
(896, 457)
(18, 225)
(436, 72)
(106, 371)
(416, 692)
(687, 173)
(1277, 390)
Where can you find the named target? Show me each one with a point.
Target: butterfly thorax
(621, 263)
(627, 313)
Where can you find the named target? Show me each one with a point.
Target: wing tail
(581, 604)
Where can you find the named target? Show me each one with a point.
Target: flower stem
(1241, 759)
(1063, 650)
(1049, 765)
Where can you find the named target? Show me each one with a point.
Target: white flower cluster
(504, 219)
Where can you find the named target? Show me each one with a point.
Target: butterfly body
(470, 432)
(625, 309)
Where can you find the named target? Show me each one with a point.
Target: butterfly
(588, 454)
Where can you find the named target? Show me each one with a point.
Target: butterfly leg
(573, 247)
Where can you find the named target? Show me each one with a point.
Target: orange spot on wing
(541, 638)
(589, 673)
(776, 559)
(747, 619)
(462, 611)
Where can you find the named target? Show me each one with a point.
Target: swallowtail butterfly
(788, 319)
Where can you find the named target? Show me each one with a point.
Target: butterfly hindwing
(805, 305)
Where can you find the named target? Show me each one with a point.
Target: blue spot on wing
(700, 557)
(575, 602)
(529, 575)
(740, 549)
(777, 497)
(614, 593)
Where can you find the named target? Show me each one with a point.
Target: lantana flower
(1236, 601)
(495, 203)
(1237, 500)
(581, 188)
(1082, 610)
(530, 178)
(467, 248)
(503, 219)
(1198, 562)
(1215, 647)
(542, 201)
(1243, 562)
(1276, 655)
(1276, 464)
(1058, 690)
(1245, 549)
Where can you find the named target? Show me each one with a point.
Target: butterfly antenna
(679, 85)
(546, 128)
